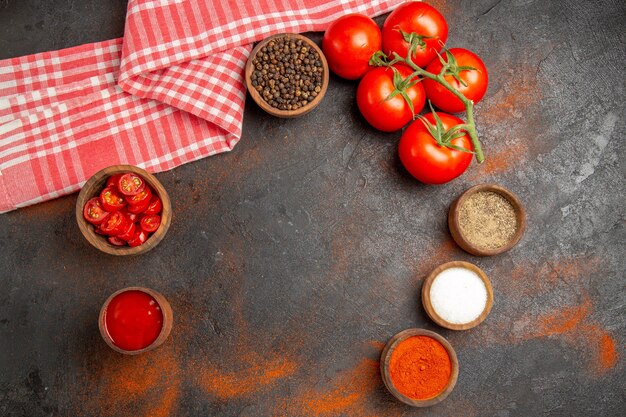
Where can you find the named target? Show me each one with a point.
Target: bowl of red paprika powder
(419, 367)
(135, 320)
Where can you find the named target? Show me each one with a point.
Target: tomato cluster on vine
(401, 68)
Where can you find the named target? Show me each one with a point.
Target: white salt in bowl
(457, 295)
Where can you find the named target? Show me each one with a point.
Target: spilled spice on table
(608, 352)
(258, 373)
(572, 324)
(346, 395)
(532, 277)
(141, 385)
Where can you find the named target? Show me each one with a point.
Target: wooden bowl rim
(385, 357)
(168, 320)
(266, 106)
(99, 242)
(455, 228)
(432, 313)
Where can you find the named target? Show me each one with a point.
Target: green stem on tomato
(470, 125)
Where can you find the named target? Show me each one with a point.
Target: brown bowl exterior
(455, 228)
(168, 321)
(94, 186)
(429, 307)
(262, 103)
(385, 357)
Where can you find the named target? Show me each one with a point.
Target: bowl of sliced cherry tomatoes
(123, 210)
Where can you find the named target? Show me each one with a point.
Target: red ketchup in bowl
(133, 320)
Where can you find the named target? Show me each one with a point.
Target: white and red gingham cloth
(170, 92)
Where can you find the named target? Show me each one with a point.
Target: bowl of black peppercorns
(287, 75)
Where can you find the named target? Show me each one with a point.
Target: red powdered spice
(420, 367)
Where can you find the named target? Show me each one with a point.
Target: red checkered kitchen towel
(170, 92)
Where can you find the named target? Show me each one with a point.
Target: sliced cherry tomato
(150, 222)
(99, 231)
(140, 199)
(139, 238)
(137, 209)
(93, 211)
(114, 180)
(348, 44)
(131, 184)
(129, 233)
(111, 199)
(133, 217)
(114, 240)
(422, 19)
(115, 224)
(155, 205)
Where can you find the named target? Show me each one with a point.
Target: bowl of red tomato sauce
(123, 210)
(134, 320)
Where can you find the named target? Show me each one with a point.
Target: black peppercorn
(288, 73)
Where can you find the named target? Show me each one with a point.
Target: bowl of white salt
(457, 295)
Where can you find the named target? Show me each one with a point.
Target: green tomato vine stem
(470, 125)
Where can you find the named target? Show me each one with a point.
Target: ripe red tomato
(116, 241)
(114, 180)
(155, 206)
(133, 217)
(129, 232)
(111, 199)
(150, 222)
(139, 202)
(130, 184)
(419, 18)
(386, 114)
(93, 211)
(476, 81)
(138, 239)
(115, 224)
(425, 159)
(348, 44)
(122, 217)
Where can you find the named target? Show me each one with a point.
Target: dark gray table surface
(292, 259)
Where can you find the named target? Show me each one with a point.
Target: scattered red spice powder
(512, 100)
(146, 385)
(575, 326)
(442, 6)
(165, 406)
(376, 344)
(247, 381)
(349, 390)
(345, 396)
(430, 257)
(608, 352)
(500, 160)
(572, 324)
(420, 367)
(532, 277)
(564, 320)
